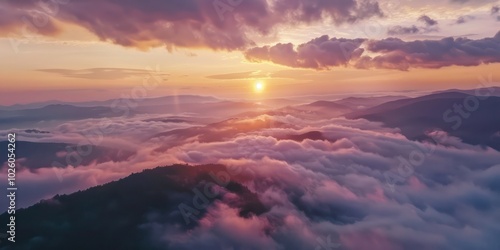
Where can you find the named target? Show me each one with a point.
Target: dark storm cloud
(219, 25)
(391, 53)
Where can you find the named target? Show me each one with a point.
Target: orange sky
(75, 65)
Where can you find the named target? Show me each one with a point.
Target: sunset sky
(93, 50)
(250, 124)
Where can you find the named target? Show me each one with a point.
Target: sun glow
(259, 86)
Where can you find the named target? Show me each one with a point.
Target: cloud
(391, 53)
(222, 227)
(14, 20)
(343, 191)
(495, 9)
(402, 55)
(401, 30)
(218, 25)
(100, 73)
(427, 20)
(339, 11)
(475, 2)
(235, 76)
(344, 194)
(464, 19)
(320, 53)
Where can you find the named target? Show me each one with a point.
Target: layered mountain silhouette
(53, 113)
(367, 102)
(474, 119)
(36, 155)
(114, 215)
(346, 105)
(164, 100)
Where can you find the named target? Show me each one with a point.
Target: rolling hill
(116, 215)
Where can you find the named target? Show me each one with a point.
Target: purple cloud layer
(319, 53)
(391, 53)
(334, 189)
(219, 25)
(343, 191)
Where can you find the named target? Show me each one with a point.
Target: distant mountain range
(416, 117)
(476, 121)
(165, 100)
(38, 155)
(367, 102)
(56, 113)
(493, 91)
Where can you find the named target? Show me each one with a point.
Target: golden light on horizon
(259, 86)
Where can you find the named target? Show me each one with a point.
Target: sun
(259, 86)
